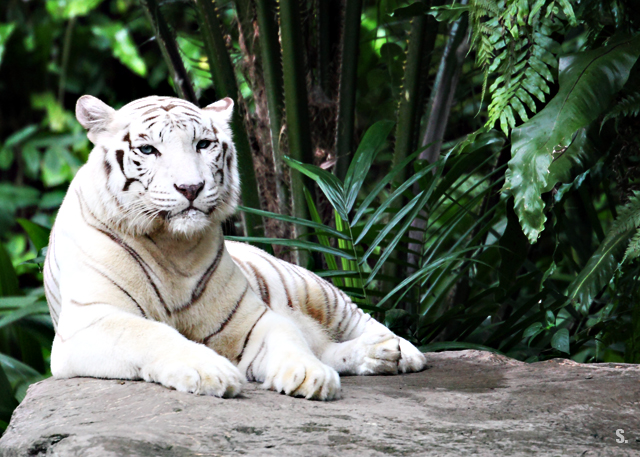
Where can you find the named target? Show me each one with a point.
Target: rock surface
(466, 403)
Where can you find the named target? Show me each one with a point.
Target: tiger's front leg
(279, 356)
(102, 341)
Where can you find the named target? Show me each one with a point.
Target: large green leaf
(38, 234)
(331, 186)
(560, 340)
(369, 147)
(588, 83)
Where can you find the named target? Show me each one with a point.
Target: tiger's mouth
(189, 211)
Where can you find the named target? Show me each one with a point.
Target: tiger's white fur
(141, 284)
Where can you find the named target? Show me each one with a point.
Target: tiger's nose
(190, 191)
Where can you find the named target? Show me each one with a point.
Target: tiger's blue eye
(203, 144)
(147, 149)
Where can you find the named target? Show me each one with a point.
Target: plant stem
(273, 81)
(422, 38)
(296, 107)
(444, 88)
(170, 52)
(324, 47)
(347, 91)
(440, 103)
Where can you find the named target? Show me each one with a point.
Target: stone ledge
(465, 403)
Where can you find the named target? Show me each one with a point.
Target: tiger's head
(168, 164)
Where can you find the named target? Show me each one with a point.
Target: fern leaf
(604, 262)
(512, 41)
(633, 250)
(628, 216)
(598, 271)
(628, 106)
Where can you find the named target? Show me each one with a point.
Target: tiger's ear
(93, 114)
(223, 107)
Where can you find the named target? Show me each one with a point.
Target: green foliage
(513, 45)
(118, 40)
(67, 9)
(588, 83)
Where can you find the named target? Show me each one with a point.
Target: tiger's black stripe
(128, 249)
(55, 300)
(290, 269)
(230, 316)
(143, 265)
(246, 339)
(48, 264)
(262, 285)
(52, 243)
(49, 291)
(120, 160)
(327, 307)
(250, 376)
(284, 284)
(149, 111)
(201, 285)
(119, 287)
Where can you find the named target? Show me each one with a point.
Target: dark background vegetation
(466, 170)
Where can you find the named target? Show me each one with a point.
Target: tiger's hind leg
(376, 350)
(368, 354)
(361, 345)
(373, 352)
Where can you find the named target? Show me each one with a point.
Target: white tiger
(141, 284)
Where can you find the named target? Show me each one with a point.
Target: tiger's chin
(188, 223)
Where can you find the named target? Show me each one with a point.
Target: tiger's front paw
(302, 375)
(198, 370)
(412, 359)
(377, 353)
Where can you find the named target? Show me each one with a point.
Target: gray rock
(466, 403)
